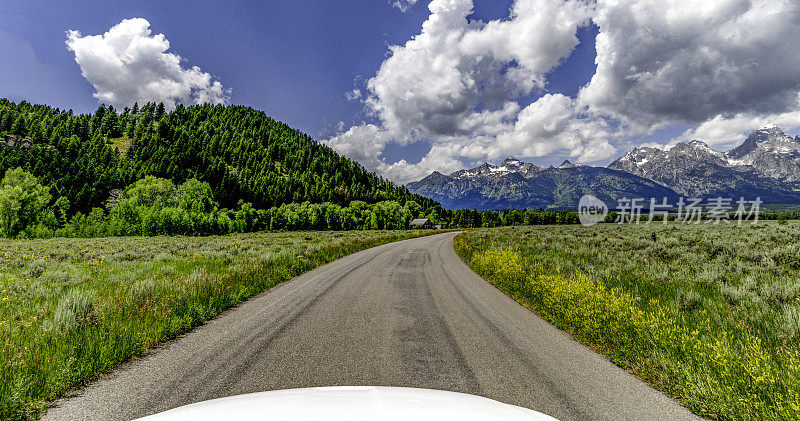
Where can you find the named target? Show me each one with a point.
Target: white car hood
(351, 404)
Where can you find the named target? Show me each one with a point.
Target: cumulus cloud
(459, 82)
(444, 74)
(727, 66)
(666, 61)
(727, 132)
(129, 64)
(555, 123)
(363, 143)
(441, 158)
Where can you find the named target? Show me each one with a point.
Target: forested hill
(241, 152)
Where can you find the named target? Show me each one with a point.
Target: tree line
(196, 170)
(157, 206)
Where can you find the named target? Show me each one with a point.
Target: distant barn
(423, 223)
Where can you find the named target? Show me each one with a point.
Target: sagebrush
(71, 309)
(709, 314)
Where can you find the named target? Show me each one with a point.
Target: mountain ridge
(766, 165)
(489, 187)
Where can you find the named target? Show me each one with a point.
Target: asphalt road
(407, 314)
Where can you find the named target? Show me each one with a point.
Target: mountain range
(765, 165)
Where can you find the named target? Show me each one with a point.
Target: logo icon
(591, 210)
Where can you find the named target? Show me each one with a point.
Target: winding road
(410, 314)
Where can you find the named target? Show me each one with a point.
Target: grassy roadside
(707, 314)
(72, 309)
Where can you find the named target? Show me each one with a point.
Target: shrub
(197, 277)
(788, 255)
(737, 294)
(37, 290)
(163, 257)
(780, 292)
(35, 269)
(166, 271)
(64, 277)
(689, 300)
(145, 291)
(791, 320)
(711, 276)
(75, 309)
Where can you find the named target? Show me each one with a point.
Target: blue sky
(298, 60)
(294, 59)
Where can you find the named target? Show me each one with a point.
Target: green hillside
(240, 152)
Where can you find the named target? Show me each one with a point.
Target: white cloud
(727, 132)
(404, 5)
(536, 36)
(458, 84)
(665, 61)
(555, 124)
(453, 67)
(362, 143)
(730, 66)
(353, 95)
(440, 158)
(365, 143)
(129, 64)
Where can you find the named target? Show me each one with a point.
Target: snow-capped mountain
(515, 184)
(510, 165)
(766, 165)
(771, 152)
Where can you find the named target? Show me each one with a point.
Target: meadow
(72, 309)
(710, 314)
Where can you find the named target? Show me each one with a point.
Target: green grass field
(709, 314)
(72, 309)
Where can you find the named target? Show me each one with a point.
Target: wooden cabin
(422, 223)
